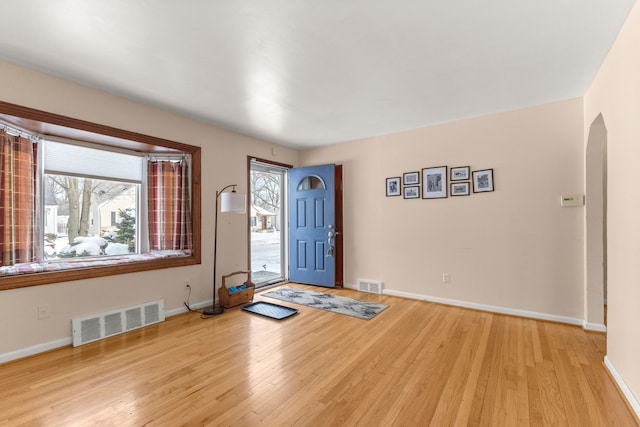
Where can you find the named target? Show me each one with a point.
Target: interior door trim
(339, 209)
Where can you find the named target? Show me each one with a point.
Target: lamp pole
(220, 309)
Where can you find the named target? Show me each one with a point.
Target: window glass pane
(311, 182)
(89, 217)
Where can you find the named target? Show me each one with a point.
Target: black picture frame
(393, 186)
(460, 189)
(434, 183)
(411, 178)
(460, 173)
(411, 192)
(483, 181)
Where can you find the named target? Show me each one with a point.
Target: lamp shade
(233, 202)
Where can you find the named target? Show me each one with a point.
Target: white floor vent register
(93, 328)
(372, 286)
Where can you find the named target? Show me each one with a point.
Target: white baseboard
(485, 307)
(595, 327)
(628, 394)
(183, 308)
(30, 351)
(40, 348)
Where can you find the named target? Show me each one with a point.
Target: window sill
(33, 274)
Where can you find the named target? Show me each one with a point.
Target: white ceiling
(306, 73)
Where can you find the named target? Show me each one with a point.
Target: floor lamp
(229, 202)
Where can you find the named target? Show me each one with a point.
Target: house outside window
(86, 180)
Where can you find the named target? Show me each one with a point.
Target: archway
(596, 226)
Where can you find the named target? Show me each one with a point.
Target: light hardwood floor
(416, 363)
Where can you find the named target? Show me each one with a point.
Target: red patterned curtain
(18, 218)
(169, 205)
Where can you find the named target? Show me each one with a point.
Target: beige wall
(514, 248)
(224, 162)
(615, 93)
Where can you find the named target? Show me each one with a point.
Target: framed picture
(460, 173)
(483, 180)
(393, 186)
(434, 183)
(411, 178)
(411, 192)
(459, 189)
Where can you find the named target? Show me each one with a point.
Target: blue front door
(312, 225)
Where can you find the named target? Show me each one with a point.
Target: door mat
(268, 309)
(337, 304)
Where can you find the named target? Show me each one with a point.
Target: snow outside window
(94, 195)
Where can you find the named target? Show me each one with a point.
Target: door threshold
(271, 286)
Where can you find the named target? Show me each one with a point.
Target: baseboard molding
(628, 394)
(594, 327)
(485, 307)
(51, 345)
(30, 351)
(183, 308)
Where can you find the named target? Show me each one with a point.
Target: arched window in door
(311, 182)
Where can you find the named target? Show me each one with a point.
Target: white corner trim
(595, 327)
(491, 308)
(30, 351)
(628, 394)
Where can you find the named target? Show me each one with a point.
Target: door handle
(330, 237)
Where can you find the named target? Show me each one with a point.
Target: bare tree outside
(75, 197)
(265, 190)
(68, 190)
(85, 210)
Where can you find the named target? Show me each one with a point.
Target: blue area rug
(352, 307)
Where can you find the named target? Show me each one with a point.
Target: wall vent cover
(92, 328)
(371, 286)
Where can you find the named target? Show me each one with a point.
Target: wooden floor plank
(416, 363)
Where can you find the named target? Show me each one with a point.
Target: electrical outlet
(187, 285)
(446, 278)
(44, 311)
